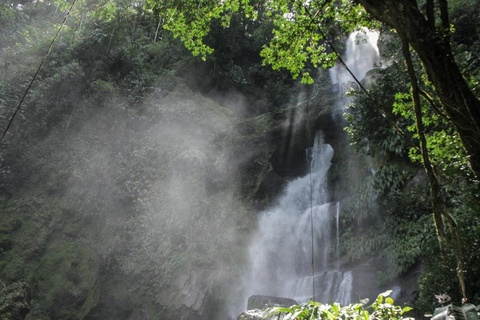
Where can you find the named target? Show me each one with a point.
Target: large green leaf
(464, 312)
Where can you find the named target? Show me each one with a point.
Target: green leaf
(330, 315)
(335, 308)
(465, 312)
(406, 309)
(299, 313)
(366, 315)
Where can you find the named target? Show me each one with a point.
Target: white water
(361, 55)
(281, 251)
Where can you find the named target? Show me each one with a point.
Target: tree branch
(438, 203)
(445, 32)
(434, 105)
(430, 13)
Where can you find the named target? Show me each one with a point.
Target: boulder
(254, 314)
(264, 302)
(258, 304)
(257, 314)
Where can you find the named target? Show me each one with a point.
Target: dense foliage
(383, 308)
(118, 182)
(302, 31)
(404, 201)
(121, 185)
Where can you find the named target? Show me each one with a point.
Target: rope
(38, 70)
(374, 102)
(311, 207)
(362, 88)
(311, 231)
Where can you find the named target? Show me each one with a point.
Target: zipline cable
(361, 86)
(38, 69)
(311, 207)
(375, 103)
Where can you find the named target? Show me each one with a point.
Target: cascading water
(281, 250)
(361, 54)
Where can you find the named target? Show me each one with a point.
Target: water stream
(281, 251)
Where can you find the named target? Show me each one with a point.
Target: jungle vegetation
(86, 176)
(303, 38)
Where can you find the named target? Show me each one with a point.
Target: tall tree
(428, 32)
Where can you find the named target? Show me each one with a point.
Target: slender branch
(435, 196)
(312, 233)
(156, 31)
(430, 13)
(374, 102)
(311, 205)
(434, 105)
(458, 251)
(443, 4)
(438, 203)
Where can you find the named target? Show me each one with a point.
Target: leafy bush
(382, 308)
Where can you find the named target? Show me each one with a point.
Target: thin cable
(377, 106)
(311, 231)
(38, 70)
(311, 208)
(363, 89)
(375, 103)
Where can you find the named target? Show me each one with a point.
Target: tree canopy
(304, 30)
(97, 145)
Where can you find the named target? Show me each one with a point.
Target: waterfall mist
(145, 194)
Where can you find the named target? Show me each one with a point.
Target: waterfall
(280, 252)
(361, 54)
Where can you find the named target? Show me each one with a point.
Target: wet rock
(252, 315)
(190, 290)
(257, 314)
(264, 302)
(289, 161)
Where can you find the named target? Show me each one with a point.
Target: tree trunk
(438, 204)
(459, 102)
